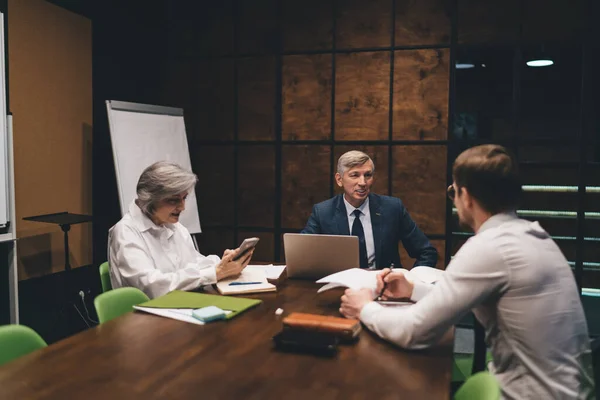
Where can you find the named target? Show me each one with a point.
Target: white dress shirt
(521, 288)
(365, 219)
(156, 259)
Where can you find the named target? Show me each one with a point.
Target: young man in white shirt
(514, 278)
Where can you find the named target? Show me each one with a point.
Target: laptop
(316, 256)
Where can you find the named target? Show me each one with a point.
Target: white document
(245, 282)
(271, 271)
(274, 271)
(424, 274)
(180, 314)
(387, 303)
(356, 278)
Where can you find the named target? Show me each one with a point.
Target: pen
(379, 298)
(244, 283)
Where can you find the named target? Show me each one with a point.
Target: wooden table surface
(142, 356)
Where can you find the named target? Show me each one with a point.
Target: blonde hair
(352, 159)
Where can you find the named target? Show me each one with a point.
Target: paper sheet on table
(180, 314)
(271, 271)
(386, 303)
(354, 278)
(274, 271)
(425, 274)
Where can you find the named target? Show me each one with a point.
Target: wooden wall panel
(408, 262)
(380, 157)
(256, 98)
(305, 182)
(214, 191)
(421, 82)
(362, 96)
(212, 116)
(307, 25)
(256, 185)
(419, 180)
(423, 22)
(306, 97)
(264, 249)
(257, 29)
(215, 241)
(364, 23)
(488, 21)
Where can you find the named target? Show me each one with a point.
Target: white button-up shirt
(156, 259)
(365, 220)
(521, 288)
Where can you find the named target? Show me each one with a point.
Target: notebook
(252, 280)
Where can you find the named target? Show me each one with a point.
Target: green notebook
(181, 299)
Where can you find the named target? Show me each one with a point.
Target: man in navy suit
(380, 222)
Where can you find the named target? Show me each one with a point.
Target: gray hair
(352, 159)
(160, 181)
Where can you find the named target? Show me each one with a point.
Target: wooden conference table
(142, 356)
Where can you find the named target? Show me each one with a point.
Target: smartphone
(318, 343)
(247, 245)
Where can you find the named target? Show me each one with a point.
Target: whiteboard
(5, 190)
(141, 135)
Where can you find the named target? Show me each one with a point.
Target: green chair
(463, 365)
(117, 302)
(105, 277)
(18, 340)
(481, 386)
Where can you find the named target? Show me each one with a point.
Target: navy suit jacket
(391, 224)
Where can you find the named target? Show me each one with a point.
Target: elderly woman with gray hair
(150, 250)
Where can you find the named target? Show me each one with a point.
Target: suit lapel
(341, 219)
(377, 224)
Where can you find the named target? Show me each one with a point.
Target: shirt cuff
(210, 276)
(367, 314)
(420, 290)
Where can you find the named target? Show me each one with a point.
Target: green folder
(181, 299)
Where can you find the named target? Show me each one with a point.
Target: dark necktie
(357, 230)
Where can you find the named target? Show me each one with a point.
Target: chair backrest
(105, 277)
(18, 340)
(117, 302)
(481, 386)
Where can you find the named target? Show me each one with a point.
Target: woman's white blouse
(156, 259)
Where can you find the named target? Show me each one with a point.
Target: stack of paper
(253, 279)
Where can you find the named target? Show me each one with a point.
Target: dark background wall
(274, 91)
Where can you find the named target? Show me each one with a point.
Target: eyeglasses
(451, 192)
